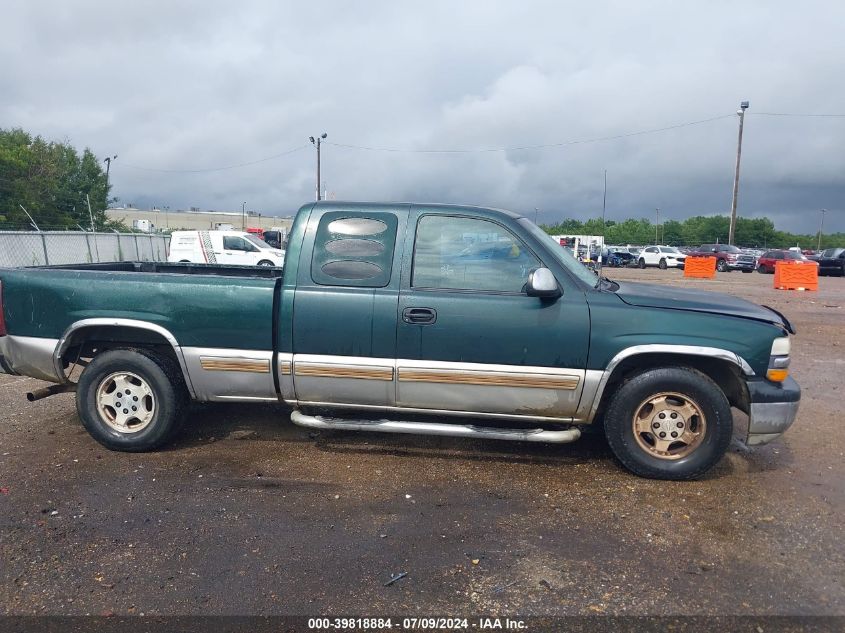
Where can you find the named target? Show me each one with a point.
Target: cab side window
(461, 253)
(354, 250)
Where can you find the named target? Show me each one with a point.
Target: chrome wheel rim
(669, 425)
(125, 402)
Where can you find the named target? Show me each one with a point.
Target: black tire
(762, 269)
(167, 388)
(662, 264)
(642, 263)
(699, 388)
(266, 262)
(722, 266)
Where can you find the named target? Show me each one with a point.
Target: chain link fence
(31, 248)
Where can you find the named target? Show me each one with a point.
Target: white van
(222, 247)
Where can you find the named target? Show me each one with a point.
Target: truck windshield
(561, 254)
(256, 241)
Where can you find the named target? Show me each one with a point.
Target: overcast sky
(204, 85)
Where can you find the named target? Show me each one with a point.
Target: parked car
(832, 262)
(661, 256)
(766, 263)
(618, 258)
(407, 318)
(223, 247)
(728, 257)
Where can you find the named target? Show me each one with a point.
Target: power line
(527, 147)
(796, 114)
(199, 171)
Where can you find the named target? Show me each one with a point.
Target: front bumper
(742, 265)
(772, 409)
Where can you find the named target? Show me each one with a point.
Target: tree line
(694, 231)
(53, 182)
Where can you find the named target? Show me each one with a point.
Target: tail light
(2, 318)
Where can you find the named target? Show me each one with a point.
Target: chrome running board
(433, 428)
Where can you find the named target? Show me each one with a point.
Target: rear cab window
(354, 249)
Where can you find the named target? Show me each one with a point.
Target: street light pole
(741, 112)
(657, 226)
(316, 143)
(821, 228)
(536, 209)
(107, 160)
(243, 217)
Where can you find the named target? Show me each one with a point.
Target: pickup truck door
(468, 337)
(344, 307)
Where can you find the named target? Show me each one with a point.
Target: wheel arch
(727, 369)
(118, 332)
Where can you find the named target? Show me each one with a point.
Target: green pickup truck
(407, 318)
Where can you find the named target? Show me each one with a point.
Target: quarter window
(354, 250)
(469, 254)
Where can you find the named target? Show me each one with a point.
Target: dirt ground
(247, 514)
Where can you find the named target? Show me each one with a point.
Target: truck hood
(654, 296)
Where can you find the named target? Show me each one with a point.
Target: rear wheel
(266, 262)
(721, 265)
(662, 264)
(669, 423)
(642, 263)
(131, 400)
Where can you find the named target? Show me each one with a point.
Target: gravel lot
(247, 514)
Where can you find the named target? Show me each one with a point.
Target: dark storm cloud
(197, 85)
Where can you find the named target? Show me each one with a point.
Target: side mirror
(542, 283)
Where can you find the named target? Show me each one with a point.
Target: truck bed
(201, 305)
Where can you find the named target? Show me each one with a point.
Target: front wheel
(131, 400)
(266, 263)
(642, 263)
(762, 269)
(669, 423)
(662, 264)
(721, 266)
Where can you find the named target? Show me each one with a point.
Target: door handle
(419, 316)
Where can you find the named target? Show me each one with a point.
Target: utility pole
(657, 226)
(107, 160)
(316, 143)
(603, 210)
(741, 112)
(821, 228)
(243, 217)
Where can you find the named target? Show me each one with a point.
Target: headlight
(779, 360)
